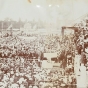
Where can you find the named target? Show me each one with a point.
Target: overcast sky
(62, 11)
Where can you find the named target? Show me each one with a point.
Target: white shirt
(35, 87)
(14, 86)
(86, 50)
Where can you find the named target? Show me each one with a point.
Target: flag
(10, 27)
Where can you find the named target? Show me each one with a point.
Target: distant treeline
(6, 24)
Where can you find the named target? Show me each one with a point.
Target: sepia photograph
(43, 44)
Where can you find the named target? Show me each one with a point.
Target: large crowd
(21, 61)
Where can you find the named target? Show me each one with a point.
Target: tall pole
(11, 30)
(19, 23)
(2, 29)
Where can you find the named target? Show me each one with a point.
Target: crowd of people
(20, 62)
(30, 73)
(82, 40)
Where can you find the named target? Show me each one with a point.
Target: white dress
(81, 81)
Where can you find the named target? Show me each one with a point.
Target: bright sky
(65, 11)
(16, 9)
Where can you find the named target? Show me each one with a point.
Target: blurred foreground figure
(29, 1)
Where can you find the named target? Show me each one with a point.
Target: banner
(46, 64)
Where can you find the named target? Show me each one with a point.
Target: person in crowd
(23, 61)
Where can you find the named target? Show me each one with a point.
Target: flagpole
(11, 29)
(2, 30)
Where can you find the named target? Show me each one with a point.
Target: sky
(64, 12)
(16, 9)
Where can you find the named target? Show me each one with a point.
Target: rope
(79, 18)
